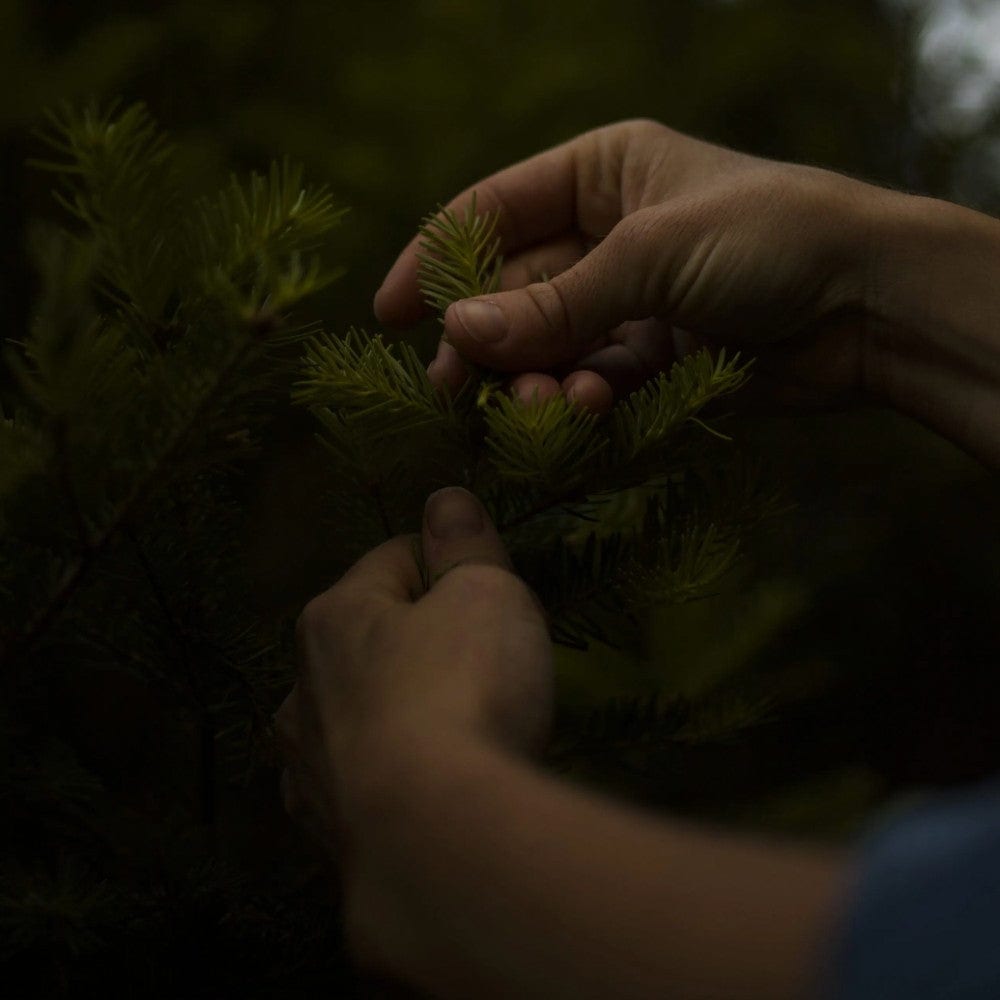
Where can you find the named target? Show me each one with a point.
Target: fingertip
(496, 332)
(447, 370)
(589, 391)
(534, 387)
(379, 305)
(458, 530)
(453, 514)
(398, 302)
(479, 320)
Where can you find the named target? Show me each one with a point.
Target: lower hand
(381, 662)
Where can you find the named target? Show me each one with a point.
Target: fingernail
(482, 321)
(453, 513)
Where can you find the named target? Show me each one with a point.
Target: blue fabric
(924, 918)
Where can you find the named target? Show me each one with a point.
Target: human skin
(843, 291)
(467, 870)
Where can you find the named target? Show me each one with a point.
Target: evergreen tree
(161, 344)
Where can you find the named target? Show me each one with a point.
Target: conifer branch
(460, 256)
(361, 375)
(117, 179)
(655, 722)
(79, 568)
(549, 442)
(250, 240)
(643, 424)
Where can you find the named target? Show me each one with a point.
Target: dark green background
(873, 607)
(886, 573)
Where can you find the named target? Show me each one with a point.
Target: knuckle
(322, 613)
(643, 228)
(551, 301)
(645, 128)
(483, 583)
(311, 619)
(489, 587)
(317, 627)
(490, 195)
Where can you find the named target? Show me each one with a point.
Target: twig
(74, 574)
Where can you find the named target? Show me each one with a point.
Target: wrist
(402, 800)
(933, 318)
(384, 765)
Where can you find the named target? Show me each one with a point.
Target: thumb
(556, 322)
(458, 530)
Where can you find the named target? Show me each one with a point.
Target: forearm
(935, 329)
(473, 874)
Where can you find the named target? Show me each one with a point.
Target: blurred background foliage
(870, 611)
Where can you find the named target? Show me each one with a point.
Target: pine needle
(459, 257)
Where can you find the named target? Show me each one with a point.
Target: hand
(381, 661)
(660, 243)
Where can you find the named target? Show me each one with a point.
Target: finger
(448, 370)
(543, 261)
(534, 387)
(639, 351)
(385, 576)
(575, 185)
(589, 391)
(558, 321)
(457, 531)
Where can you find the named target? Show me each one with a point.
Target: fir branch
(723, 717)
(594, 590)
(361, 375)
(643, 425)
(250, 240)
(552, 442)
(162, 467)
(653, 722)
(640, 722)
(685, 567)
(379, 412)
(577, 587)
(68, 909)
(459, 257)
(117, 179)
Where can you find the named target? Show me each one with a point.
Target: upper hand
(660, 243)
(382, 662)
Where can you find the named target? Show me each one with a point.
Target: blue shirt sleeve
(923, 921)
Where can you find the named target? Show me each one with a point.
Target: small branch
(124, 656)
(78, 570)
(563, 500)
